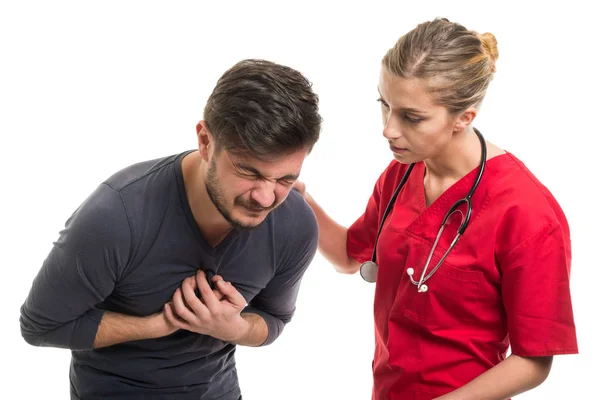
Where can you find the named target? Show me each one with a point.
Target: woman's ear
(465, 119)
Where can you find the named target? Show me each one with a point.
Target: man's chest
(144, 288)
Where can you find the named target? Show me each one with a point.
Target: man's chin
(249, 220)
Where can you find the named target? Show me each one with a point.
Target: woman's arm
(509, 378)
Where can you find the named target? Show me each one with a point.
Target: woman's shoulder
(519, 186)
(524, 204)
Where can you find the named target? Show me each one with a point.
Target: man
(173, 262)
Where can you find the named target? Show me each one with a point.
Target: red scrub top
(505, 283)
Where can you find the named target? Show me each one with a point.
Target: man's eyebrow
(254, 171)
(289, 177)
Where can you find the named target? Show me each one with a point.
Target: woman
(444, 333)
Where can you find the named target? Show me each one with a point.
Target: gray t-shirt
(127, 248)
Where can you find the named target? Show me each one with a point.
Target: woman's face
(415, 126)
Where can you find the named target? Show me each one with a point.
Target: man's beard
(217, 197)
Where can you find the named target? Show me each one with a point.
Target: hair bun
(490, 47)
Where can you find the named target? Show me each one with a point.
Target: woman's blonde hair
(456, 64)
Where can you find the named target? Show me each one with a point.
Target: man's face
(245, 189)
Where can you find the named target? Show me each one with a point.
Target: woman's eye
(413, 120)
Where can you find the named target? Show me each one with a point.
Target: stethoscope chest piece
(368, 271)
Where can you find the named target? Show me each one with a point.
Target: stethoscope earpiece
(422, 287)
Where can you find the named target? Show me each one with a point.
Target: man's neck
(213, 226)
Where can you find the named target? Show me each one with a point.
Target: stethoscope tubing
(369, 269)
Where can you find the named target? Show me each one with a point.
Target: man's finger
(190, 297)
(173, 319)
(206, 292)
(191, 281)
(231, 293)
(180, 308)
(220, 296)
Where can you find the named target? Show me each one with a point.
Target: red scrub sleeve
(536, 294)
(362, 233)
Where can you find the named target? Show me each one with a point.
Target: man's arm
(298, 240)
(257, 332)
(79, 273)
(509, 378)
(119, 328)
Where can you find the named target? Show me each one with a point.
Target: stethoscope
(368, 270)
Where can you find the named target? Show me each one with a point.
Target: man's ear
(465, 119)
(205, 140)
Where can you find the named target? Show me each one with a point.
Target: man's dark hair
(263, 109)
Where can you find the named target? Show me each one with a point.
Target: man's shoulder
(142, 170)
(295, 208)
(295, 220)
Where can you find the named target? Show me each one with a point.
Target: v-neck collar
(189, 216)
(456, 191)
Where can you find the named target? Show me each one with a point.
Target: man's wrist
(156, 326)
(245, 327)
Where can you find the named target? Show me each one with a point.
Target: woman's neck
(461, 156)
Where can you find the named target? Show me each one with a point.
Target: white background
(87, 88)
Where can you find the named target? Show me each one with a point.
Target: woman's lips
(397, 150)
